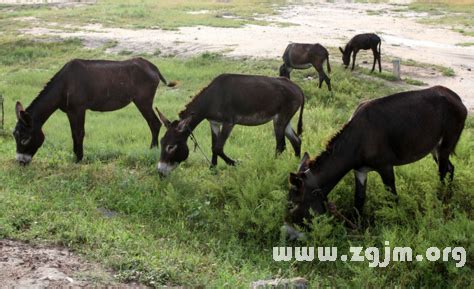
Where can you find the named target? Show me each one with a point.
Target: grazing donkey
(232, 99)
(303, 56)
(362, 41)
(97, 85)
(382, 133)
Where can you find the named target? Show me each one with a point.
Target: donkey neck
(196, 109)
(335, 162)
(46, 103)
(195, 121)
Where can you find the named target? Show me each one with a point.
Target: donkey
(362, 41)
(382, 133)
(303, 56)
(228, 100)
(97, 85)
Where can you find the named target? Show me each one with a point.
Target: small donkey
(362, 41)
(303, 56)
(232, 99)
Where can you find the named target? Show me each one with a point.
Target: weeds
(214, 227)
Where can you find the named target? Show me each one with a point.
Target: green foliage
(465, 44)
(414, 82)
(215, 227)
(445, 71)
(454, 13)
(165, 14)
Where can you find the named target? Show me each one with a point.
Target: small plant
(448, 71)
(465, 44)
(414, 82)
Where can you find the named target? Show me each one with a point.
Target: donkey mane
(333, 145)
(185, 112)
(45, 89)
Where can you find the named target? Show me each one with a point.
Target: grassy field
(167, 14)
(215, 228)
(457, 14)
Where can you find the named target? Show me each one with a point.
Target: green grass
(165, 14)
(215, 227)
(445, 71)
(456, 14)
(414, 81)
(465, 44)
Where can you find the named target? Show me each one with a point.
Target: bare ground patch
(25, 265)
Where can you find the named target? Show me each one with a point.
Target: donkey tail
(300, 120)
(170, 84)
(327, 63)
(380, 47)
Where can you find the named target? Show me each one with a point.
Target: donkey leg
(294, 139)
(360, 188)
(285, 71)
(320, 71)
(279, 126)
(322, 75)
(380, 64)
(388, 178)
(215, 131)
(224, 134)
(76, 121)
(374, 51)
(444, 165)
(146, 109)
(328, 81)
(354, 54)
(450, 170)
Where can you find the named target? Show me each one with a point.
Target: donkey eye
(25, 141)
(171, 148)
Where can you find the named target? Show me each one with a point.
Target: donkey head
(28, 137)
(303, 198)
(346, 56)
(174, 148)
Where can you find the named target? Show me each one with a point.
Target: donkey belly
(301, 66)
(110, 101)
(253, 120)
(410, 152)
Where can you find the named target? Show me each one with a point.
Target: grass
(445, 71)
(465, 44)
(213, 228)
(166, 14)
(201, 227)
(415, 82)
(456, 14)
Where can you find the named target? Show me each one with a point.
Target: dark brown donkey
(303, 56)
(232, 99)
(97, 85)
(362, 41)
(395, 130)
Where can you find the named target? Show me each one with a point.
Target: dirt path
(330, 24)
(25, 265)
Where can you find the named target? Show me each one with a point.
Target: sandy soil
(330, 24)
(25, 265)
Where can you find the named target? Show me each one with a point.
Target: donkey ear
(164, 121)
(184, 123)
(304, 163)
(22, 115)
(342, 51)
(25, 118)
(295, 180)
(18, 108)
